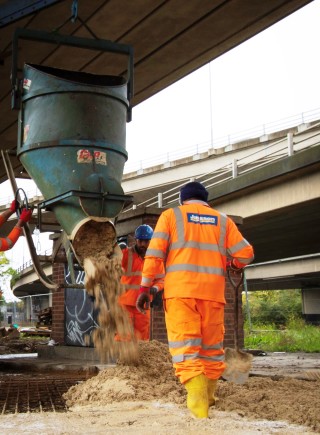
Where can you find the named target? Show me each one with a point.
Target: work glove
(26, 215)
(153, 290)
(157, 298)
(143, 300)
(14, 205)
(233, 267)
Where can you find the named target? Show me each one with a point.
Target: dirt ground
(282, 396)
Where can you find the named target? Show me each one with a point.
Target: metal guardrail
(223, 141)
(33, 194)
(254, 132)
(29, 263)
(284, 147)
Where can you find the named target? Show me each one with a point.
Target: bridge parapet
(159, 186)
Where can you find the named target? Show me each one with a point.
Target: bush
(296, 337)
(274, 306)
(277, 324)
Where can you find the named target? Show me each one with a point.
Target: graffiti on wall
(80, 313)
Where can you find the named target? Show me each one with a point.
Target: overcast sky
(270, 77)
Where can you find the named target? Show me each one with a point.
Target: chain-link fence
(25, 312)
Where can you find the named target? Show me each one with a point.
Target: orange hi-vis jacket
(191, 243)
(8, 242)
(132, 265)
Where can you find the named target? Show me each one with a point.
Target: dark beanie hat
(193, 190)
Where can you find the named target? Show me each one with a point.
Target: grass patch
(297, 336)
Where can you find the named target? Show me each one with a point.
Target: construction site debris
(25, 393)
(45, 317)
(271, 398)
(9, 333)
(19, 345)
(38, 332)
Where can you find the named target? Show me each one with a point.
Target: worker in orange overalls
(132, 264)
(192, 242)
(8, 242)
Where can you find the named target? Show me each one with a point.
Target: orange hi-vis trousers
(140, 323)
(195, 329)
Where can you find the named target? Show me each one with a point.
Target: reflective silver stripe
(182, 243)
(245, 260)
(216, 346)
(196, 245)
(10, 243)
(213, 358)
(195, 268)
(182, 357)
(183, 343)
(129, 271)
(132, 286)
(155, 253)
(159, 276)
(188, 356)
(136, 273)
(179, 225)
(223, 234)
(146, 282)
(130, 257)
(240, 245)
(160, 235)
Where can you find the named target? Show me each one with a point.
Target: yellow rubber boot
(212, 385)
(197, 399)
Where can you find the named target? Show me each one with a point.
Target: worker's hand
(14, 205)
(153, 291)
(231, 266)
(25, 215)
(157, 299)
(143, 300)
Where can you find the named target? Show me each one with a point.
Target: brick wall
(159, 332)
(158, 328)
(229, 318)
(57, 333)
(127, 225)
(158, 325)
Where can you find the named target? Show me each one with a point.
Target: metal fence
(25, 311)
(286, 146)
(223, 141)
(254, 132)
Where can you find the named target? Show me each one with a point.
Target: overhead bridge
(272, 182)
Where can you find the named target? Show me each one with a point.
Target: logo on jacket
(205, 219)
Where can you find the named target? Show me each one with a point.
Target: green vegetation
(297, 337)
(274, 323)
(6, 272)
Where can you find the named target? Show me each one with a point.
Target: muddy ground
(282, 396)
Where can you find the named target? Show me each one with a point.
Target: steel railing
(223, 141)
(254, 132)
(29, 263)
(286, 146)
